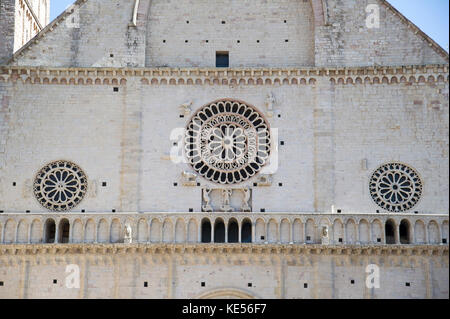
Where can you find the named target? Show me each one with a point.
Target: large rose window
(60, 186)
(395, 187)
(227, 142)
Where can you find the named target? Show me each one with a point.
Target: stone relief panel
(227, 200)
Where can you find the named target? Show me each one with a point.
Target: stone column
(239, 233)
(56, 232)
(397, 234)
(226, 232)
(254, 232)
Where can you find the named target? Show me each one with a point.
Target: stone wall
(255, 33)
(316, 33)
(334, 131)
(7, 21)
(222, 271)
(347, 41)
(20, 21)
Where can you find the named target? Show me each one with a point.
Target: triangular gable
(433, 44)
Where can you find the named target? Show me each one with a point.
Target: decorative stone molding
(186, 108)
(189, 179)
(221, 249)
(264, 180)
(29, 227)
(249, 76)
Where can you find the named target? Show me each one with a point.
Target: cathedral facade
(224, 149)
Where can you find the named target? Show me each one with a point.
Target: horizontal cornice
(217, 76)
(201, 249)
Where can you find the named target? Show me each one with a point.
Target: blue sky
(429, 15)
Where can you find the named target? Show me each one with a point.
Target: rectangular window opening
(203, 284)
(222, 59)
(145, 284)
(305, 285)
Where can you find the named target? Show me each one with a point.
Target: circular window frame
(267, 136)
(417, 190)
(41, 196)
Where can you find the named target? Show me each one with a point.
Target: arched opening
(49, 231)
(246, 232)
(233, 231)
(390, 232)
(219, 231)
(404, 232)
(206, 231)
(64, 231)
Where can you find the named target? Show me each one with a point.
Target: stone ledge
(199, 249)
(215, 76)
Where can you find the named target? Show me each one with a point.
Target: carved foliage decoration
(227, 142)
(60, 186)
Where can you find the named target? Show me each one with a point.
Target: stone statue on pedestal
(226, 195)
(128, 238)
(325, 236)
(206, 207)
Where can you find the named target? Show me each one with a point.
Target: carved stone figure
(128, 238)
(226, 196)
(186, 108)
(206, 207)
(270, 102)
(246, 203)
(264, 180)
(189, 179)
(325, 237)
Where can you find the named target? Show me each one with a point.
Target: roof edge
(436, 47)
(58, 20)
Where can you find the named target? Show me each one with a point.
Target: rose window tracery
(395, 187)
(227, 142)
(60, 186)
